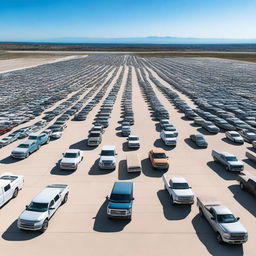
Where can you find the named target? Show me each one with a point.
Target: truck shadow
(250, 162)
(95, 170)
(159, 144)
(12, 233)
(220, 170)
(122, 172)
(103, 224)
(177, 212)
(208, 238)
(244, 198)
(82, 145)
(149, 171)
(9, 160)
(192, 144)
(57, 171)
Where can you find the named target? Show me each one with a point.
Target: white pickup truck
(227, 227)
(179, 190)
(9, 187)
(38, 213)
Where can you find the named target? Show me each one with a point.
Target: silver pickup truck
(230, 162)
(227, 227)
(38, 213)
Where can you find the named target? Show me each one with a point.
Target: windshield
(94, 135)
(37, 207)
(70, 155)
(107, 153)
(133, 138)
(231, 158)
(226, 218)
(159, 155)
(32, 137)
(180, 186)
(120, 198)
(23, 146)
(169, 135)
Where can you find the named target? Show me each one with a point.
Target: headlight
(226, 235)
(129, 211)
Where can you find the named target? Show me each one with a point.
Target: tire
(47, 142)
(15, 193)
(65, 199)
(45, 226)
(201, 212)
(27, 155)
(219, 238)
(172, 202)
(227, 168)
(242, 185)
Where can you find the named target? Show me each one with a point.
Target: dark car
(199, 140)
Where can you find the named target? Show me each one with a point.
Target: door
(7, 193)
(51, 208)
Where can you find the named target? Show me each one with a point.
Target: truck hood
(113, 205)
(235, 163)
(183, 192)
(69, 160)
(33, 216)
(107, 159)
(235, 227)
(20, 150)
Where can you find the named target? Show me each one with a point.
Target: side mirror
(238, 218)
(26, 207)
(107, 197)
(63, 154)
(133, 198)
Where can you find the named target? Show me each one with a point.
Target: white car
(108, 157)
(179, 190)
(10, 185)
(133, 141)
(71, 159)
(235, 137)
(37, 214)
(56, 135)
(169, 138)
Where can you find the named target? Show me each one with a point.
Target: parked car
(10, 185)
(210, 127)
(25, 149)
(41, 139)
(199, 140)
(247, 182)
(108, 157)
(133, 163)
(126, 131)
(158, 159)
(228, 160)
(133, 141)
(37, 214)
(248, 135)
(164, 122)
(179, 190)
(94, 138)
(9, 139)
(251, 155)
(234, 137)
(56, 135)
(71, 159)
(120, 201)
(168, 138)
(227, 227)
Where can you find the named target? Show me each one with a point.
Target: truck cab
(120, 201)
(41, 139)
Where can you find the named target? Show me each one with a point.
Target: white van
(133, 163)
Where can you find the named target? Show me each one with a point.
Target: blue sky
(43, 19)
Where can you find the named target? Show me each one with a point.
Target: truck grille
(237, 236)
(117, 212)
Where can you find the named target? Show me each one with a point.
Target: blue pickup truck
(120, 201)
(41, 138)
(25, 149)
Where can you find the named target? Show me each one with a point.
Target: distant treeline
(126, 47)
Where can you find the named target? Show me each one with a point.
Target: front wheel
(45, 226)
(15, 193)
(172, 202)
(65, 199)
(242, 185)
(219, 238)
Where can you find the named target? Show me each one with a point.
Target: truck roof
(48, 193)
(123, 188)
(220, 209)
(178, 179)
(108, 147)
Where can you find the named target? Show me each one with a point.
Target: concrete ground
(81, 227)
